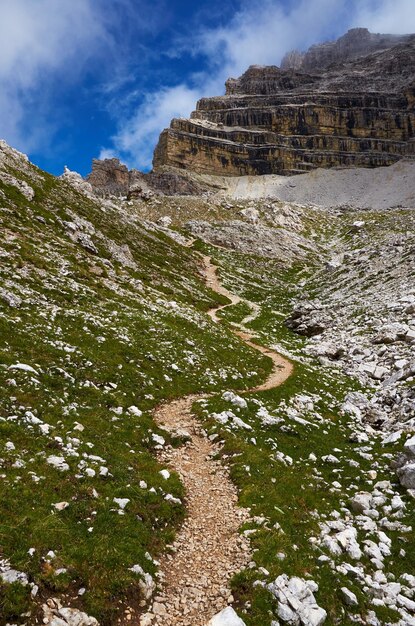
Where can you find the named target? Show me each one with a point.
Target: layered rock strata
(273, 121)
(109, 177)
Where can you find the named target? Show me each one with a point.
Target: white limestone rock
(250, 214)
(296, 601)
(409, 446)
(234, 399)
(56, 615)
(227, 617)
(13, 300)
(330, 458)
(135, 411)
(58, 462)
(122, 502)
(26, 190)
(406, 475)
(9, 575)
(349, 597)
(361, 501)
(76, 180)
(23, 367)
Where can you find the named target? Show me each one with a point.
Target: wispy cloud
(386, 16)
(41, 42)
(138, 135)
(259, 33)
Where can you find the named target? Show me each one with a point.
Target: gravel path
(208, 549)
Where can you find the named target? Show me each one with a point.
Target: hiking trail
(208, 549)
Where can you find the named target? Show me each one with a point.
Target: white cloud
(138, 135)
(387, 16)
(262, 33)
(41, 40)
(107, 153)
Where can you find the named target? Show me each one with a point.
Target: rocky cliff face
(109, 177)
(286, 121)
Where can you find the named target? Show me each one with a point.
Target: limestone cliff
(109, 177)
(359, 112)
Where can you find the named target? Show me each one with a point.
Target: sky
(84, 79)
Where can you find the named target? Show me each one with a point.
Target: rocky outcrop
(171, 183)
(296, 602)
(109, 177)
(275, 121)
(56, 615)
(227, 617)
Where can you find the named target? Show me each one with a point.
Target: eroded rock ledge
(110, 177)
(355, 112)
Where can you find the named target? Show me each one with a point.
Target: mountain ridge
(357, 42)
(272, 121)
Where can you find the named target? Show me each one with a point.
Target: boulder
(329, 349)
(296, 602)
(251, 215)
(390, 333)
(406, 475)
(140, 192)
(227, 617)
(74, 617)
(306, 320)
(56, 615)
(75, 180)
(13, 300)
(22, 186)
(409, 447)
(361, 501)
(349, 597)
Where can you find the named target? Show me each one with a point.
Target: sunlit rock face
(346, 103)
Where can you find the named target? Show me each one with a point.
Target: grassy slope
(102, 337)
(295, 497)
(88, 315)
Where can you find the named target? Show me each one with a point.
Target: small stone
(349, 597)
(159, 609)
(61, 506)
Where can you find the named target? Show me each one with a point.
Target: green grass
(102, 336)
(297, 496)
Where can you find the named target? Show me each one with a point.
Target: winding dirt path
(282, 368)
(208, 549)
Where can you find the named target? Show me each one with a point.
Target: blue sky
(88, 78)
